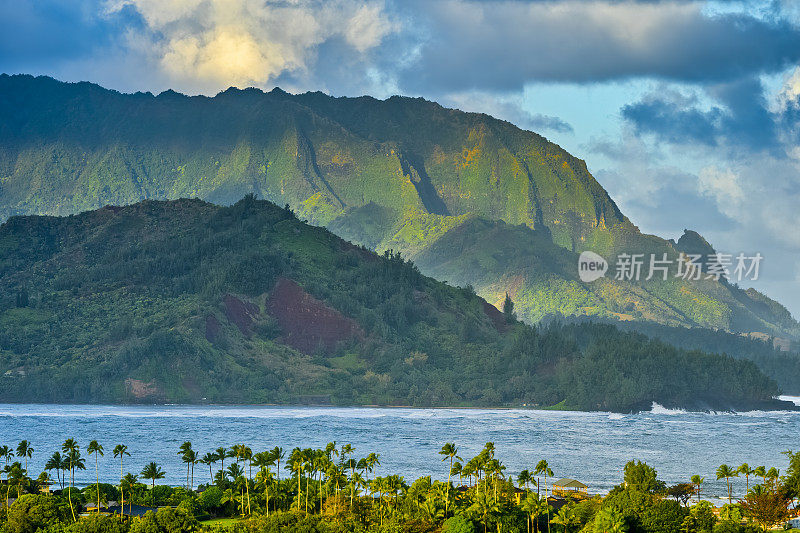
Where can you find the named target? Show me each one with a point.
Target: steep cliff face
(400, 173)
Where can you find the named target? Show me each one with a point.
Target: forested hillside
(781, 365)
(187, 301)
(472, 199)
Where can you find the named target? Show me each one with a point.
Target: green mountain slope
(395, 174)
(187, 301)
(542, 278)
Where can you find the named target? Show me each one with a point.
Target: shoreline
(655, 407)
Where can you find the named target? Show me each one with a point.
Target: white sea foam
(794, 399)
(658, 409)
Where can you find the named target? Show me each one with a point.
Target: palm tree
(263, 461)
(152, 472)
(6, 453)
(65, 467)
(221, 454)
(319, 463)
(745, 470)
(209, 459)
(448, 451)
(543, 469)
(457, 470)
(532, 505)
(772, 476)
(697, 481)
(127, 483)
(371, 461)
(247, 455)
(96, 449)
(523, 479)
(15, 476)
(193, 457)
(185, 451)
(54, 463)
(236, 473)
(761, 471)
(565, 518)
(265, 478)
(24, 449)
(725, 471)
(70, 447)
(483, 508)
(120, 450)
(348, 449)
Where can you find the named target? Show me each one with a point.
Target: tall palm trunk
(352, 486)
(247, 484)
(121, 493)
(97, 480)
(69, 491)
(266, 496)
(298, 489)
(447, 499)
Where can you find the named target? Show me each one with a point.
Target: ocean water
(591, 447)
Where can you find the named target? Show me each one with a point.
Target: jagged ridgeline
(471, 199)
(188, 301)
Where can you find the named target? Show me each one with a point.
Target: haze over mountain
(471, 199)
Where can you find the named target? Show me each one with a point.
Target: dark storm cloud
(38, 34)
(740, 117)
(503, 45)
(436, 48)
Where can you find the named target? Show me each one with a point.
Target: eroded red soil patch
(140, 389)
(242, 314)
(307, 323)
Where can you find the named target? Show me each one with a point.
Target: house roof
(568, 483)
(133, 510)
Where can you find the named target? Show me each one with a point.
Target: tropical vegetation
(185, 301)
(471, 199)
(334, 489)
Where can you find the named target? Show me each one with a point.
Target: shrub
(458, 524)
(32, 512)
(98, 524)
(166, 520)
(210, 499)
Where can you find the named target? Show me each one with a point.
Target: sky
(687, 112)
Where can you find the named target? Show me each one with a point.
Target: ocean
(592, 447)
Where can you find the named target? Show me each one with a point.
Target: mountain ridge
(400, 174)
(186, 301)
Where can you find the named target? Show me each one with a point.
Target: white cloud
(788, 94)
(367, 27)
(213, 44)
(723, 186)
